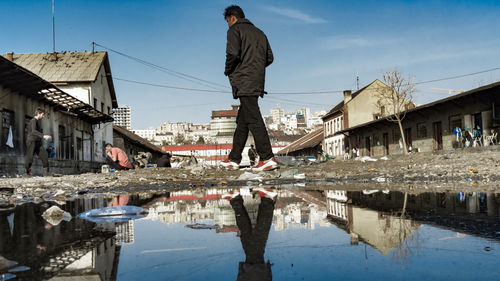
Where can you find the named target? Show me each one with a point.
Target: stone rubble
(468, 169)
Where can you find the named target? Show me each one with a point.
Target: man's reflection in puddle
(253, 239)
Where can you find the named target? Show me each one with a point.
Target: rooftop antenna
(357, 81)
(53, 28)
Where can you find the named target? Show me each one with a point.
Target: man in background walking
(34, 143)
(248, 53)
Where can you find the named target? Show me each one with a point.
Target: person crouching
(117, 158)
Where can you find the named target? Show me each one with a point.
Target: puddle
(196, 234)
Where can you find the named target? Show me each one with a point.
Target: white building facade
(86, 76)
(123, 117)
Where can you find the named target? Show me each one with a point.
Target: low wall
(12, 165)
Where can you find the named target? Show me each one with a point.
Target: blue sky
(318, 45)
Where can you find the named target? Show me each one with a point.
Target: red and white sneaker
(230, 165)
(266, 192)
(230, 195)
(267, 165)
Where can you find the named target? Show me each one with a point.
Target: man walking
(34, 143)
(248, 53)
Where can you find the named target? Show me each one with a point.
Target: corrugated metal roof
(23, 81)
(68, 67)
(310, 140)
(137, 139)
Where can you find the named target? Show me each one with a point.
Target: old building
(67, 119)
(356, 108)
(308, 145)
(85, 76)
(133, 144)
(430, 127)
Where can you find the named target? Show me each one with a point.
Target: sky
(318, 46)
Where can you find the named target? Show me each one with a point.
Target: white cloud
(295, 14)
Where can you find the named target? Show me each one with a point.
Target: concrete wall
(362, 107)
(69, 146)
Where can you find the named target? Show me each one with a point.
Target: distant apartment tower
(122, 116)
(277, 114)
(223, 124)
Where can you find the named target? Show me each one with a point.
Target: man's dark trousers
(250, 119)
(114, 165)
(32, 148)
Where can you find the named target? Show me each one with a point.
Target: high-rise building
(223, 124)
(122, 116)
(277, 114)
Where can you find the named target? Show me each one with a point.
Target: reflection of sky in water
(174, 252)
(359, 240)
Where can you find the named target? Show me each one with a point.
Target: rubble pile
(477, 169)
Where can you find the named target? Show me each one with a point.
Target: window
(421, 131)
(95, 103)
(109, 110)
(7, 121)
(455, 121)
(79, 148)
(63, 150)
(102, 107)
(396, 135)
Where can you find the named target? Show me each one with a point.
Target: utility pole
(357, 81)
(53, 28)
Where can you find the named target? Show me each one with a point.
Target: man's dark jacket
(35, 132)
(248, 53)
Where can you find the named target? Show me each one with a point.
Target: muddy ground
(472, 169)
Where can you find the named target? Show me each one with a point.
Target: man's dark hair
(108, 144)
(39, 110)
(234, 10)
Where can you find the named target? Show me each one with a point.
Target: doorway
(385, 141)
(408, 138)
(368, 146)
(438, 135)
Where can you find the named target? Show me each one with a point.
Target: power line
(204, 82)
(164, 69)
(295, 102)
(458, 76)
(170, 87)
(217, 91)
(183, 75)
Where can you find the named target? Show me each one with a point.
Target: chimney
(53, 56)
(347, 96)
(10, 56)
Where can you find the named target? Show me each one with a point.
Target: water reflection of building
(377, 218)
(124, 232)
(382, 231)
(69, 249)
(191, 206)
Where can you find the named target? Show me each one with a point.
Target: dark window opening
(421, 131)
(455, 121)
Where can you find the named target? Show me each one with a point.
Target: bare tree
(396, 99)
